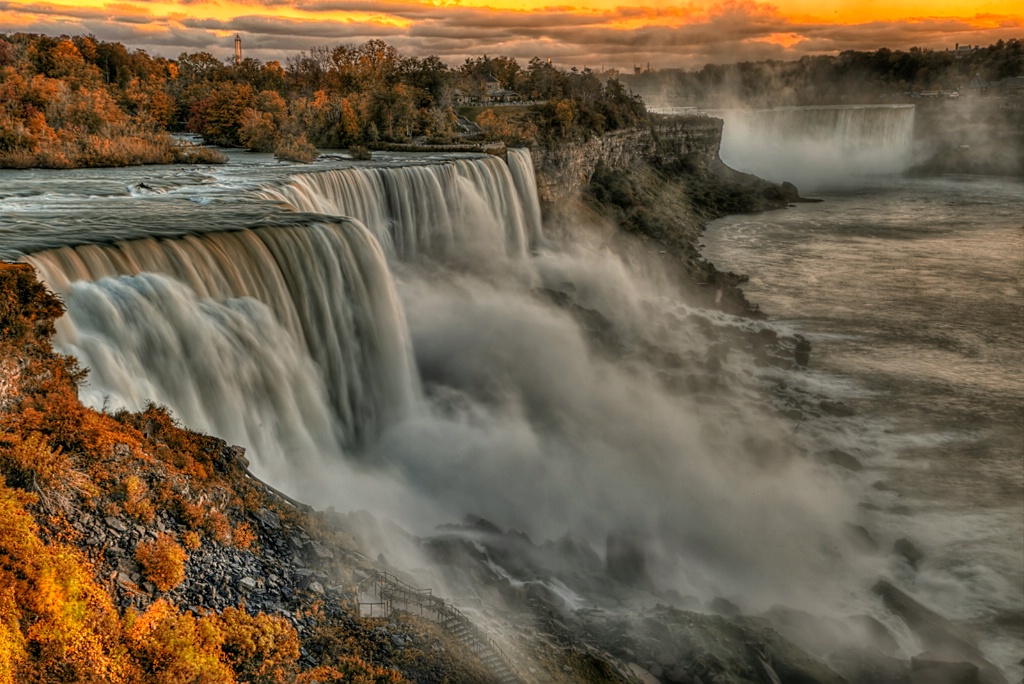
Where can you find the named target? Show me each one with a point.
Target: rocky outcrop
(663, 184)
(563, 171)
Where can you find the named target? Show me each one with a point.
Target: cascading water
(520, 163)
(426, 210)
(326, 284)
(445, 360)
(616, 408)
(819, 147)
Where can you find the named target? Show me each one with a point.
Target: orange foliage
(163, 561)
(257, 646)
(171, 647)
(191, 540)
(57, 111)
(136, 499)
(350, 670)
(57, 623)
(218, 526)
(30, 463)
(243, 536)
(60, 625)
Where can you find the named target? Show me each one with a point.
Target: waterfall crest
(326, 284)
(819, 146)
(428, 209)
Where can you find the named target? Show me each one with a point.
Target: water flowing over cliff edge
(403, 337)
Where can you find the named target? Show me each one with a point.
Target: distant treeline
(849, 77)
(77, 101)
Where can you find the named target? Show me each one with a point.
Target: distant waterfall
(326, 287)
(819, 146)
(430, 209)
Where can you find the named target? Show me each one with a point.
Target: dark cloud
(258, 25)
(682, 35)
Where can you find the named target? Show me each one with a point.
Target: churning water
(915, 291)
(402, 337)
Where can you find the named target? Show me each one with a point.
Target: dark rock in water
(874, 633)
(861, 538)
(802, 351)
(837, 409)
(789, 191)
(818, 635)
(905, 548)
(692, 647)
(868, 666)
(232, 457)
(843, 460)
(627, 559)
(724, 606)
(928, 668)
(936, 633)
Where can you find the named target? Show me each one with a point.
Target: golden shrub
(56, 623)
(258, 647)
(243, 536)
(191, 540)
(296, 148)
(32, 463)
(170, 647)
(350, 670)
(162, 561)
(218, 526)
(136, 500)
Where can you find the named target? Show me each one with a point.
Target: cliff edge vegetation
(135, 551)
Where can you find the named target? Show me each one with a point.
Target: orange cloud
(588, 32)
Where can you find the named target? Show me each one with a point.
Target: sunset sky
(594, 33)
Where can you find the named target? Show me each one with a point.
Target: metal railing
(396, 594)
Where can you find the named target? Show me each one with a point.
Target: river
(912, 294)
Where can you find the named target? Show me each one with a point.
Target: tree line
(78, 101)
(853, 77)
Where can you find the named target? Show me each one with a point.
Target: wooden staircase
(396, 595)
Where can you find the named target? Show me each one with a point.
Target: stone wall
(563, 171)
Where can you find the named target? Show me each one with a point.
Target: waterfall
(428, 209)
(562, 391)
(326, 286)
(520, 163)
(817, 147)
(227, 367)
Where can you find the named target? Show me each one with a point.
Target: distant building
(492, 85)
(238, 49)
(961, 50)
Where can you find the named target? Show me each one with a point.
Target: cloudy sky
(594, 33)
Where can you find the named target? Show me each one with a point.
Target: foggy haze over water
(410, 359)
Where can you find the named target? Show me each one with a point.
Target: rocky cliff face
(565, 170)
(662, 184)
